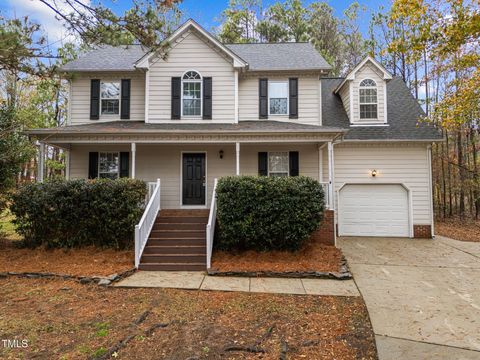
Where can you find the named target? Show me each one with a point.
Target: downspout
(430, 185)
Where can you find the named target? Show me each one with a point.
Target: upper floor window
(110, 98)
(368, 99)
(278, 97)
(191, 94)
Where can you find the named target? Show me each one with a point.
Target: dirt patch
(81, 262)
(313, 257)
(467, 230)
(63, 319)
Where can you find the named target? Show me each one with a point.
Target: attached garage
(373, 210)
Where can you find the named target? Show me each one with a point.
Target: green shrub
(267, 213)
(79, 213)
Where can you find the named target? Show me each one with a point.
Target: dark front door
(193, 188)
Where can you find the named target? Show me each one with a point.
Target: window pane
(192, 102)
(110, 107)
(108, 165)
(368, 96)
(278, 163)
(278, 95)
(368, 111)
(278, 106)
(110, 90)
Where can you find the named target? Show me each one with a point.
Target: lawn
(67, 320)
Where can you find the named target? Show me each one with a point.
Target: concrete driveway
(423, 296)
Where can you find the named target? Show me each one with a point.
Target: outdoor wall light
(374, 173)
(220, 153)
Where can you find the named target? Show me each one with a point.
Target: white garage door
(373, 210)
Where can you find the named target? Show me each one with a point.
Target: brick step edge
(98, 280)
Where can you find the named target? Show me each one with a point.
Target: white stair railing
(212, 218)
(144, 227)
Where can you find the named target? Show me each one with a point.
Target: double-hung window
(278, 97)
(191, 94)
(278, 163)
(110, 98)
(368, 100)
(109, 165)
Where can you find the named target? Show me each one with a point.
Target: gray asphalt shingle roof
(267, 57)
(107, 58)
(403, 114)
(280, 56)
(128, 126)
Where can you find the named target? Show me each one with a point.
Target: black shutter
(176, 97)
(124, 164)
(92, 165)
(207, 98)
(293, 163)
(125, 96)
(263, 98)
(293, 97)
(94, 99)
(263, 164)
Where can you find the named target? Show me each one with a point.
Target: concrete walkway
(423, 296)
(200, 281)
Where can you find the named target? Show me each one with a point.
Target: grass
(7, 228)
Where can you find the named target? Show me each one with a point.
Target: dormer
(364, 93)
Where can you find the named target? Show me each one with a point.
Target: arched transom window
(191, 94)
(368, 99)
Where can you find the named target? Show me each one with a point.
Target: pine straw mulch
(313, 257)
(89, 261)
(467, 230)
(66, 320)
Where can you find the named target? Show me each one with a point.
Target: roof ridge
(271, 43)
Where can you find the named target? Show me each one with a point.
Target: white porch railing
(144, 227)
(151, 187)
(326, 192)
(212, 218)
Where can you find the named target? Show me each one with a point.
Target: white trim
(236, 96)
(288, 96)
(409, 200)
(173, 141)
(360, 87)
(41, 163)
(182, 206)
(385, 102)
(70, 100)
(67, 164)
(320, 120)
(147, 95)
(238, 62)
(430, 188)
(330, 174)
(350, 91)
(197, 81)
(357, 124)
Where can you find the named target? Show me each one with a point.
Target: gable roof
(403, 111)
(107, 58)
(189, 25)
(280, 56)
(378, 65)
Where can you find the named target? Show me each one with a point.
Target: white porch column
(134, 160)
(67, 164)
(330, 175)
(41, 162)
(237, 153)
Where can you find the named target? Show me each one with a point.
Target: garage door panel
(373, 210)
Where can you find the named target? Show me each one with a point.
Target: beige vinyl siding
(192, 53)
(368, 71)
(80, 96)
(308, 98)
(397, 163)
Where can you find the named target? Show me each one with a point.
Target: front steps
(177, 242)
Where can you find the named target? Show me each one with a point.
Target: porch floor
(200, 281)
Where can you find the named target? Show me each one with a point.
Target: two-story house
(198, 110)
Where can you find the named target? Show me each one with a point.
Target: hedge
(76, 213)
(267, 213)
